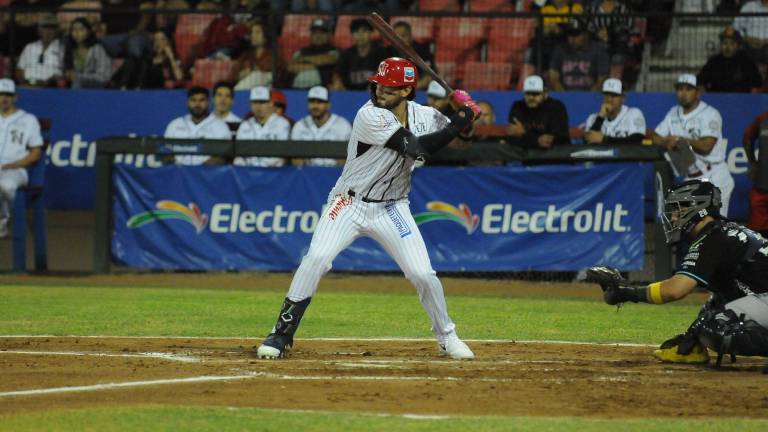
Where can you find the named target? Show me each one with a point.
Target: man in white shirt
(223, 99)
(197, 124)
(615, 123)
(754, 28)
(41, 62)
(700, 125)
(264, 125)
(321, 124)
(20, 146)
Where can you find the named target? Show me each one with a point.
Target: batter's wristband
(654, 292)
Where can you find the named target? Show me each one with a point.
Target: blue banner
(562, 217)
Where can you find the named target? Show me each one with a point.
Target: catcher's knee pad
(728, 333)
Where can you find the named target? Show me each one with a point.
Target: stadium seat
(207, 72)
(289, 44)
(298, 25)
(439, 5)
(422, 28)
(189, 31)
(447, 70)
(459, 39)
(508, 38)
(491, 6)
(487, 76)
(342, 38)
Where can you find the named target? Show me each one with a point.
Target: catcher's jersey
(630, 121)
(377, 172)
(337, 128)
(276, 128)
(183, 127)
(716, 260)
(19, 132)
(704, 121)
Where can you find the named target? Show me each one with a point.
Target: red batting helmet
(396, 72)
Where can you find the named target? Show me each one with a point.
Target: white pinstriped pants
(392, 226)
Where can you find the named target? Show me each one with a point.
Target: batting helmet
(396, 72)
(687, 204)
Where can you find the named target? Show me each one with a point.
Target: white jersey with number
(337, 128)
(276, 128)
(630, 121)
(184, 128)
(19, 132)
(376, 172)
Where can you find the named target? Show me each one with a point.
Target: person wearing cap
(197, 124)
(538, 121)
(700, 125)
(20, 146)
(314, 64)
(321, 124)
(280, 102)
(733, 70)
(437, 98)
(264, 125)
(403, 29)
(580, 64)
(615, 123)
(359, 61)
(41, 62)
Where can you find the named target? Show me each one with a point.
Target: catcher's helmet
(686, 205)
(396, 72)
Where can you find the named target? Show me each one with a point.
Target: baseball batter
(371, 199)
(20, 146)
(701, 126)
(264, 125)
(197, 124)
(321, 124)
(615, 123)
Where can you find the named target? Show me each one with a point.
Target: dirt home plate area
(392, 376)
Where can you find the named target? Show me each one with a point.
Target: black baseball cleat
(274, 346)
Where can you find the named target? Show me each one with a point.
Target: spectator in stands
(757, 133)
(538, 121)
(166, 22)
(321, 125)
(615, 123)
(403, 29)
(24, 24)
(556, 19)
(265, 125)
(733, 70)
(222, 39)
(580, 65)
(125, 26)
(158, 70)
(197, 124)
(40, 63)
(609, 22)
(254, 66)
(223, 99)
(755, 29)
(314, 64)
(438, 99)
(20, 146)
(66, 18)
(281, 105)
(86, 63)
(359, 61)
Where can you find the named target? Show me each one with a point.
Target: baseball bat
(404, 49)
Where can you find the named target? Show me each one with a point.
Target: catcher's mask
(686, 205)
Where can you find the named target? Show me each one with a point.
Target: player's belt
(368, 200)
(707, 169)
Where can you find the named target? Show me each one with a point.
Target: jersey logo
(409, 75)
(383, 69)
(338, 205)
(397, 219)
(167, 209)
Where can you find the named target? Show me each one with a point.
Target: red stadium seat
(508, 38)
(447, 70)
(422, 28)
(459, 38)
(288, 45)
(207, 72)
(342, 39)
(487, 76)
(189, 32)
(491, 6)
(439, 5)
(298, 25)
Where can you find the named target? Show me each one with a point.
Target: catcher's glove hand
(615, 289)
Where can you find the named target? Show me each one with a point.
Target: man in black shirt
(538, 121)
(733, 70)
(725, 258)
(314, 64)
(359, 61)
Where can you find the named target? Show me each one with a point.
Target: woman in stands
(86, 63)
(254, 66)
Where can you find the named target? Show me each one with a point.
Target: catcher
(727, 259)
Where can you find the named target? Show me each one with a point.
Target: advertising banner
(561, 217)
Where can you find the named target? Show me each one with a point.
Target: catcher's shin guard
(280, 340)
(734, 335)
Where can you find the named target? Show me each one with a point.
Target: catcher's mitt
(606, 277)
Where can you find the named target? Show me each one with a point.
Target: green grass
(164, 418)
(199, 312)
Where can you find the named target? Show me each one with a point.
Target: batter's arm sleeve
(403, 141)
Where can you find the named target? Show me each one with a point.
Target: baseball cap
(318, 93)
(321, 24)
(7, 86)
(613, 86)
(47, 20)
(260, 94)
(435, 90)
(533, 84)
(686, 79)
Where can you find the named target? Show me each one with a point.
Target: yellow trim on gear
(655, 293)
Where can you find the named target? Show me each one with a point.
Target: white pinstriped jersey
(337, 128)
(276, 128)
(19, 132)
(704, 121)
(629, 121)
(377, 172)
(183, 127)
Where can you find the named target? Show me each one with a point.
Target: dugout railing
(109, 147)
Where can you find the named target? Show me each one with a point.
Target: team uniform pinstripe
(276, 128)
(336, 128)
(630, 121)
(209, 128)
(19, 132)
(378, 173)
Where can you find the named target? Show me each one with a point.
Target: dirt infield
(384, 376)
